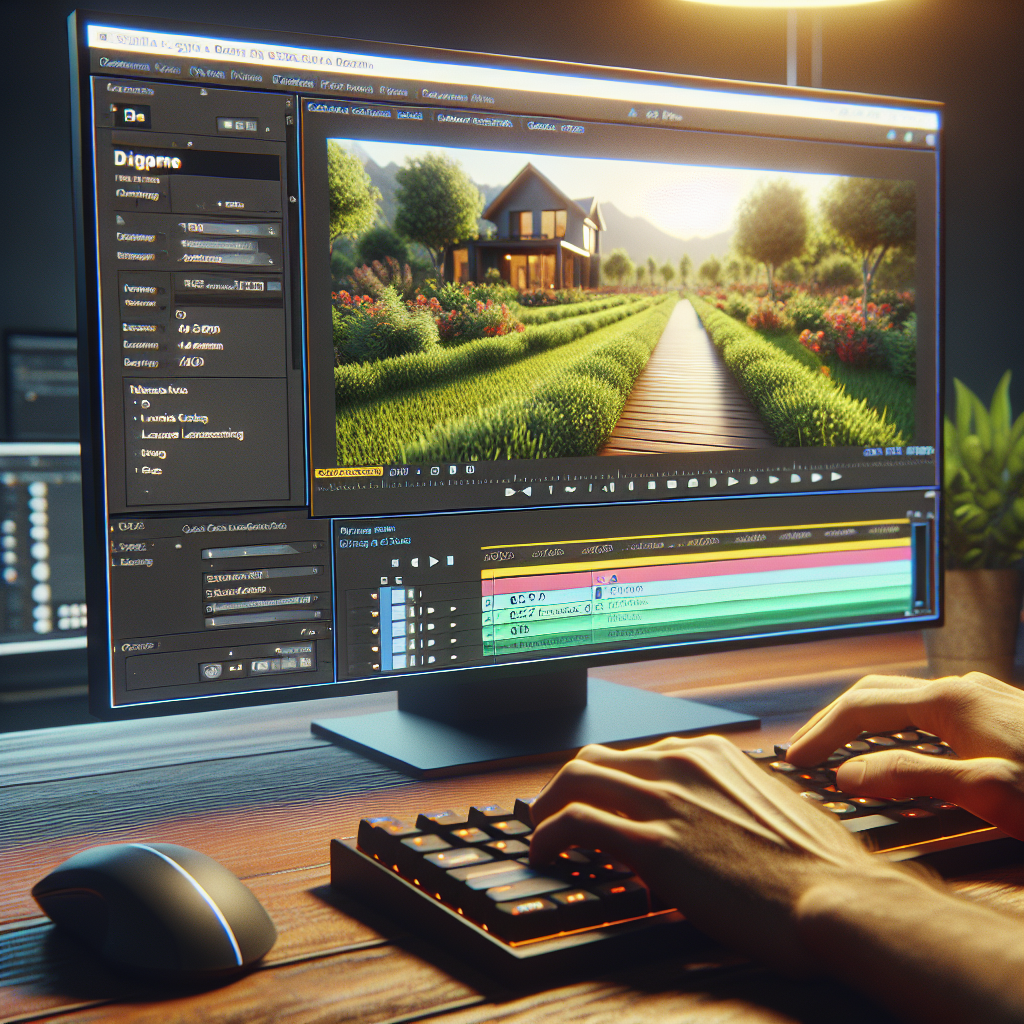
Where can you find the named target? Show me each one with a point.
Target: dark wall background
(966, 53)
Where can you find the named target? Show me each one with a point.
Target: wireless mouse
(158, 909)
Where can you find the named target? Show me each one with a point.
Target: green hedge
(548, 314)
(571, 415)
(797, 406)
(361, 382)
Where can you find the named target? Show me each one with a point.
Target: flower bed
(798, 406)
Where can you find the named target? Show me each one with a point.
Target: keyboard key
(881, 741)
(815, 778)
(516, 920)
(856, 746)
(783, 766)
(914, 813)
(428, 843)
(498, 872)
(487, 814)
(574, 897)
(540, 885)
(438, 821)
(507, 848)
(809, 794)
(573, 857)
(906, 737)
(759, 754)
(627, 898)
(839, 807)
(781, 748)
(868, 801)
(928, 748)
(509, 827)
(521, 810)
(381, 836)
(458, 858)
(470, 835)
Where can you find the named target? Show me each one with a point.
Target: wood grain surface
(256, 791)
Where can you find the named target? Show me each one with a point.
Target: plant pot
(982, 619)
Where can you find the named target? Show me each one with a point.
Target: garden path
(685, 399)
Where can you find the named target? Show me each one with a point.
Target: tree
(874, 216)
(438, 205)
(685, 269)
(772, 226)
(711, 271)
(618, 266)
(381, 242)
(352, 197)
(667, 273)
(652, 269)
(733, 269)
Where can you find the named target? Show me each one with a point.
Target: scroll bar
(921, 567)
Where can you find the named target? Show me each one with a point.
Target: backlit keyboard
(908, 827)
(464, 879)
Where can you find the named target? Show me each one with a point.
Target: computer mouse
(158, 909)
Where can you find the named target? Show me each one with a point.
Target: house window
(521, 223)
(460, 265)
(586, 238)
(552, 224)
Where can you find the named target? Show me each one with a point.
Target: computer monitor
(459, 374)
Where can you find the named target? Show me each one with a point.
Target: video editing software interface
(405, 362)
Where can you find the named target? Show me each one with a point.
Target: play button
(773, 479)
(732, 481)
(837, 476)
(432, 561)
(815, 477)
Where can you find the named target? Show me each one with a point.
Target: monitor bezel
(94, 498)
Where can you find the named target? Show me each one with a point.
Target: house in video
(544, 239)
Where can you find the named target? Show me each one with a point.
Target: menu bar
(311, 69)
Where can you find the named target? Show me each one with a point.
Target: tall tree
(711, 271)
(685, 269)
(438, 205)
(874, 216)
(352, 198)
(772, 226)
(667, 273)
(652, 269)
(618, 266)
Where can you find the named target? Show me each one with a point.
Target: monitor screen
(406, 366)
(42, 581)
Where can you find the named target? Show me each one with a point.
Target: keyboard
(899, 829)
(464, 880)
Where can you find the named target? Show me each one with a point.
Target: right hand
(981, 718)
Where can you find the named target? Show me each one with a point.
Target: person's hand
(710, 832)
(981, 718)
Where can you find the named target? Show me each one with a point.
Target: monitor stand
(443, 729)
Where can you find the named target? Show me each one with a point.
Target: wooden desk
(256, 791)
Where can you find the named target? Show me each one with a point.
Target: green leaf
(982, 423)
(964, 404)
(1001, 416)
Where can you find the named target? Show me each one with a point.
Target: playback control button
(222, 670)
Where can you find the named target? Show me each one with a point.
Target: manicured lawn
(374, 432)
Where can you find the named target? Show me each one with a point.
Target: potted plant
(984, 520)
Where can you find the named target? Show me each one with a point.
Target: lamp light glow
(784, 4)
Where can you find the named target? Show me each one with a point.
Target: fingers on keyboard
(478, 864)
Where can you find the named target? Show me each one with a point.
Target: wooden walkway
(685, 399)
